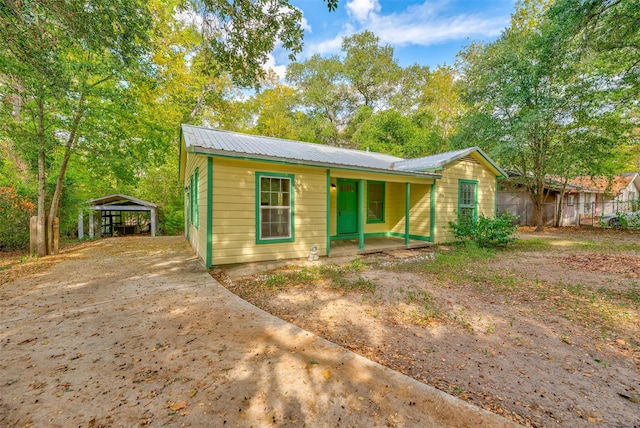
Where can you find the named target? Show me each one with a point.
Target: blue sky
(426, 32)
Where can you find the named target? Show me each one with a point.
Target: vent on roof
(469, 159)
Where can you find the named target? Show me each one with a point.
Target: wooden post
(56, 236)
(153, 222)
(91, 230)
(33, 235)
(407, 211)
(80, 225)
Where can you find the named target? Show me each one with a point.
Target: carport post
(91, 231)
(153, 222)
(80, 225)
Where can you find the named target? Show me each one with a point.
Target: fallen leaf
(178, 406)
(326, 374)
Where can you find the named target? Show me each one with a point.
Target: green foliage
(15, 211)
(488, 232)
(537, 105)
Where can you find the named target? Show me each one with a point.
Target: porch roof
(233, 144)
(440, 160)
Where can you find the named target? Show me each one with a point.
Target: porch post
(432, 212)
(407, 209)
(361, 215)
(328, 216)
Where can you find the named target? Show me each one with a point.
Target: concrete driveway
(133, 331)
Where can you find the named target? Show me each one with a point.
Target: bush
(15, 212)
(488, 232)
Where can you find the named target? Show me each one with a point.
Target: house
(609, 194)
(585, 199)
(250, 198)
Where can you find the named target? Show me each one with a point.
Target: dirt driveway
(546, 332)
(133, 331)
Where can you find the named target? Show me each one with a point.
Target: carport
(111, 209)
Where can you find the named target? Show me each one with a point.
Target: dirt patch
(593, 262)
(134, 332)
(546, 333)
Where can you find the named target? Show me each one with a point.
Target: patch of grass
(457, 259)
(341, 276)
(633, 294)
(534, 244)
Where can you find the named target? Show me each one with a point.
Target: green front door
(347, 207)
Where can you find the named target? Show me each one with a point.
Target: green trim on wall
(432, 213)
(495, 196)
(328, 217)
(361, 214)
(407, 211)
(417, 174)
(209, 212)
(475, 197)
(381, 235)
(371, 220)
(292, 238)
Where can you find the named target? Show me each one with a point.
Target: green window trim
(375, 201)
(195, 199)
(191, 200)
(278, 196)
(467, 200)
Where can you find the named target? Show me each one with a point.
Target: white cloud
(426, 24)
(362, 10)
(304, 24)
(280, 70)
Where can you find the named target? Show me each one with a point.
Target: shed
(111, 209)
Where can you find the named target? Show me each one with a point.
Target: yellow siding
(420, 214)
(396, 207)
(197, 236)
(234, 212)
(447, 195)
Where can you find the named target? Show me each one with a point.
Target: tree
(324, 93)
(370, 69)
(441, 101)
(69, 63)
(533, 111)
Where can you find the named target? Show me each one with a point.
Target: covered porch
(368, 212)
(345, 247)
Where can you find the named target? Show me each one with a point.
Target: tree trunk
(55, 201)
(41, 242)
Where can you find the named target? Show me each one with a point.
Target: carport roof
(120, 200)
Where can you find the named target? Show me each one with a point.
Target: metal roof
(121, 200)
(207, 140)
(439, 160)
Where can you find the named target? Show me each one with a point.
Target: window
(467, 201)
(194, 199)
(375, 202)
(274, 210)
(570, 200)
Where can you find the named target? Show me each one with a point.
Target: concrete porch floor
(346, 247)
